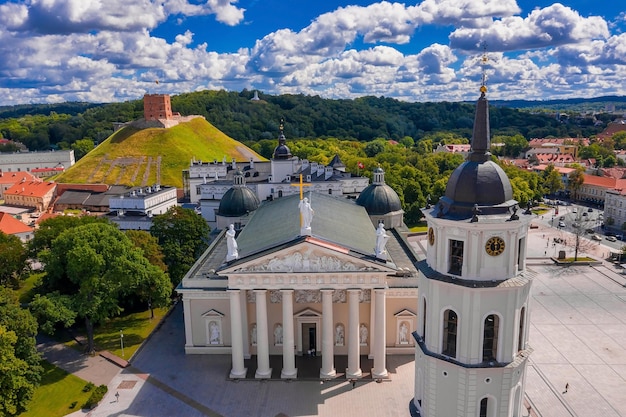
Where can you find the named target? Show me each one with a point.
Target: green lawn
(56, 393)
(420, 227)
(25, 293)
(135, 327)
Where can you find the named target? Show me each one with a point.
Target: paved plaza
(578, 333)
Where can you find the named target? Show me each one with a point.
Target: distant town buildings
(42, 163)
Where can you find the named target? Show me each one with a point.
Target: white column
(262, 336)
(380, 357)
(187, 314)
(289, 359)
(328, 359)
(236, 335)
(244, 324)
(354, 361)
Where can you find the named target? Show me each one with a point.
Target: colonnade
(289, 371)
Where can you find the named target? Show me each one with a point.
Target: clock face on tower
(494, 246)
(431, 236)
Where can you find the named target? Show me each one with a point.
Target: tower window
(450, 323)
(424, 321)
(484, 403)
(490, 337)
(456, 257)
(520, 341)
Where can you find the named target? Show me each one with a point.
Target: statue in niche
(278, 334)
(253, 335)
(231, 243)
(214, 333)
(381, 240)
(404, 332)
(339, 335)
(363, 334)
(306, 212)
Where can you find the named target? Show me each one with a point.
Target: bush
(73, 404)
(96, 396)
(88, 387)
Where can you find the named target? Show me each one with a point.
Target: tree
(20, 369)
(13, 260)
(50, 229)
(552, 180)
(97, 264)
(183, 236)
(51, 310)
(576, 179)
(82, 147)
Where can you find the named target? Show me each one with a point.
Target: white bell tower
(471, 349)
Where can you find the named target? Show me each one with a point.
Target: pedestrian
(353, 383)
(566, 387)
(117, 397)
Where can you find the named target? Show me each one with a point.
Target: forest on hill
(59, 126)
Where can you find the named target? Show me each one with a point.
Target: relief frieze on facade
(276, 296)
(308, 296)
(306, 261)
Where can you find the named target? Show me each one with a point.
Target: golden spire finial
(483, 62)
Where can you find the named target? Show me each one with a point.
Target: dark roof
(379, 199)
(278, 222)
(238, 201)
(73, 197)
(478, 184)
(336, 162)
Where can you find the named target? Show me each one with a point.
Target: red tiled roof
(12, 226)
(604, 182)
(31, 188)
(15, 177)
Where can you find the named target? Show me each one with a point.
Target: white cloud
(551, 26)
(470, 13)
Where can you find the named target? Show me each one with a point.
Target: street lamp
(122, 342)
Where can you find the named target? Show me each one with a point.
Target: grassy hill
(142, 157)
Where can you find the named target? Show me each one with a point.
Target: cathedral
(305, 275)
(471, 339)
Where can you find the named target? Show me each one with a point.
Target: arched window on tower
(424, 319)
(520, 337)
(456, 257)
(450, 324)
(484, 403)
(490, 338)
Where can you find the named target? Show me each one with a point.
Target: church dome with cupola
(282, 151)
(381, 202)
(239, 201)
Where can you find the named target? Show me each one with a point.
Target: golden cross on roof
(301, 184)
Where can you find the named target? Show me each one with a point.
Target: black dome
(379, 198)
(237, 202)
(481, 183)
(478, 185)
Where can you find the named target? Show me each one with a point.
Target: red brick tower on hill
(157, 106)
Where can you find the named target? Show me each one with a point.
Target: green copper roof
(336, 220)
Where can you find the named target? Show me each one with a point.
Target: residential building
(11, 226)
(134, 209)
(28, 161)
(9, 179)
(35, 194)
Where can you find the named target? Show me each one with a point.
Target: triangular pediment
(309, 257)
(308, 312)
(213, 313)
(405, 313)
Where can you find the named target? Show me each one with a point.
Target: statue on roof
(306, 214)
(231, 243)
(381, 241)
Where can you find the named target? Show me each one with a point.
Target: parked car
(588, 230)
(596, 237)
(611, 238)
(562, 218)
(574, 210)
(590, 210)
(584, 213)
(561, 224)
(575, 225)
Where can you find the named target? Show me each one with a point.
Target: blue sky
(115, 50)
